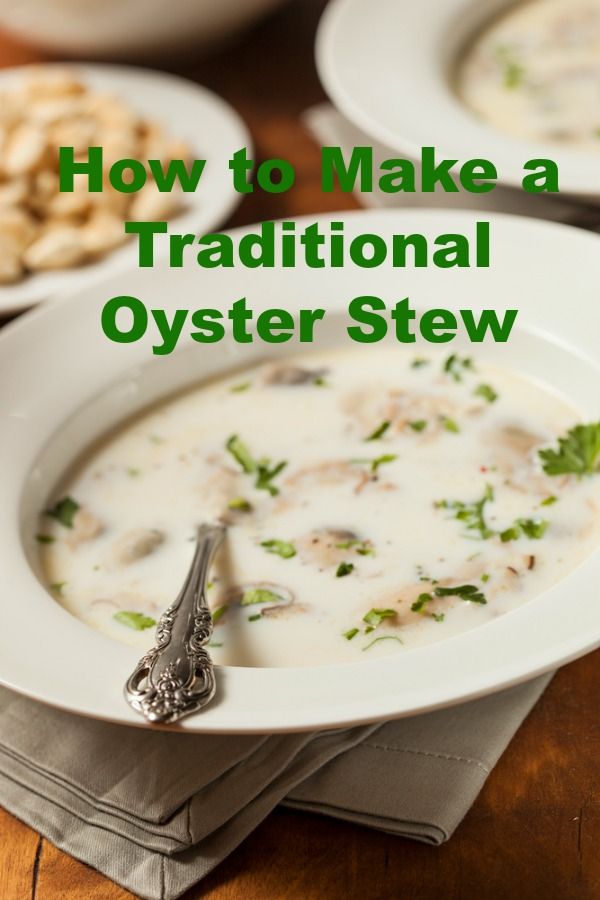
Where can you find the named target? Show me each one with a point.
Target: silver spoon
(176, 677)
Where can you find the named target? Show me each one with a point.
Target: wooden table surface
(534, 830)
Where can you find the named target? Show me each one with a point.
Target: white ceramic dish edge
(47, 654)
(189, 111)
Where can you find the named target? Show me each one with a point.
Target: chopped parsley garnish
(240, 504)
(418, 425)
(378, 461)
(240, 388)
(549, 501)
(44, 538)
(265, 473)
(578, 452)
(472, 514)
(421, 602)
(531, 528)
(450, 425)
(241, 454)
(133, 472)
(363, 548)
(485, 578)
(137, 621)
(218, 613)
(259, 595)
(465, 591)
(513, 72)
(383, 637)
(379, 431)
(57, 586)
(265, 476)
(382, 460)
(281, 548)
(344, 568)
(375, 617)
(352, 632)
(255, 617)
(456, 367)
(487, 392)
(418, 362)
(320, 382)
(64, 511)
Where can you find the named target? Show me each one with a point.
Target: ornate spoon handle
(176, 677)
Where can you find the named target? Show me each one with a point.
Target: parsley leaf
(421, 602)
(64, 511)
(241, 454)
(265, 476)
(218, 613)
(261, 468)
(344, 568)
(578, 452)
(363, 548)
(381, 460)
(44, 539)
(379, 431)
(487, 392)
(378, 461)
(281, 548)
(465, 591)
(456, 367)
(384, 637)
(240, 388)
(472, 514)
(450, 425)
(375, 617)
(513, 73)
(259, 595)
(239, 504)
(531, 528)
(137, 621)
(418, 425)
(352, 632)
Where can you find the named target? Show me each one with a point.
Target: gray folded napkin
(157, 811)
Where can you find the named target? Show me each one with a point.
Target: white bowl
(387, 66)
(117, 28)
(210, 126)
(62, 384)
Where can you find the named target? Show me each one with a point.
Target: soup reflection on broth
(535, 72)
(375, 502)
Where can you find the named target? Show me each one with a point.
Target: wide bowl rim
(353, 37)
(47, 654)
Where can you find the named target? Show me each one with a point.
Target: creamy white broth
(363, 537)
(535, 72)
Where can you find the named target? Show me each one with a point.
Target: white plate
(387, 66)
(62, 384)
(211, 127)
